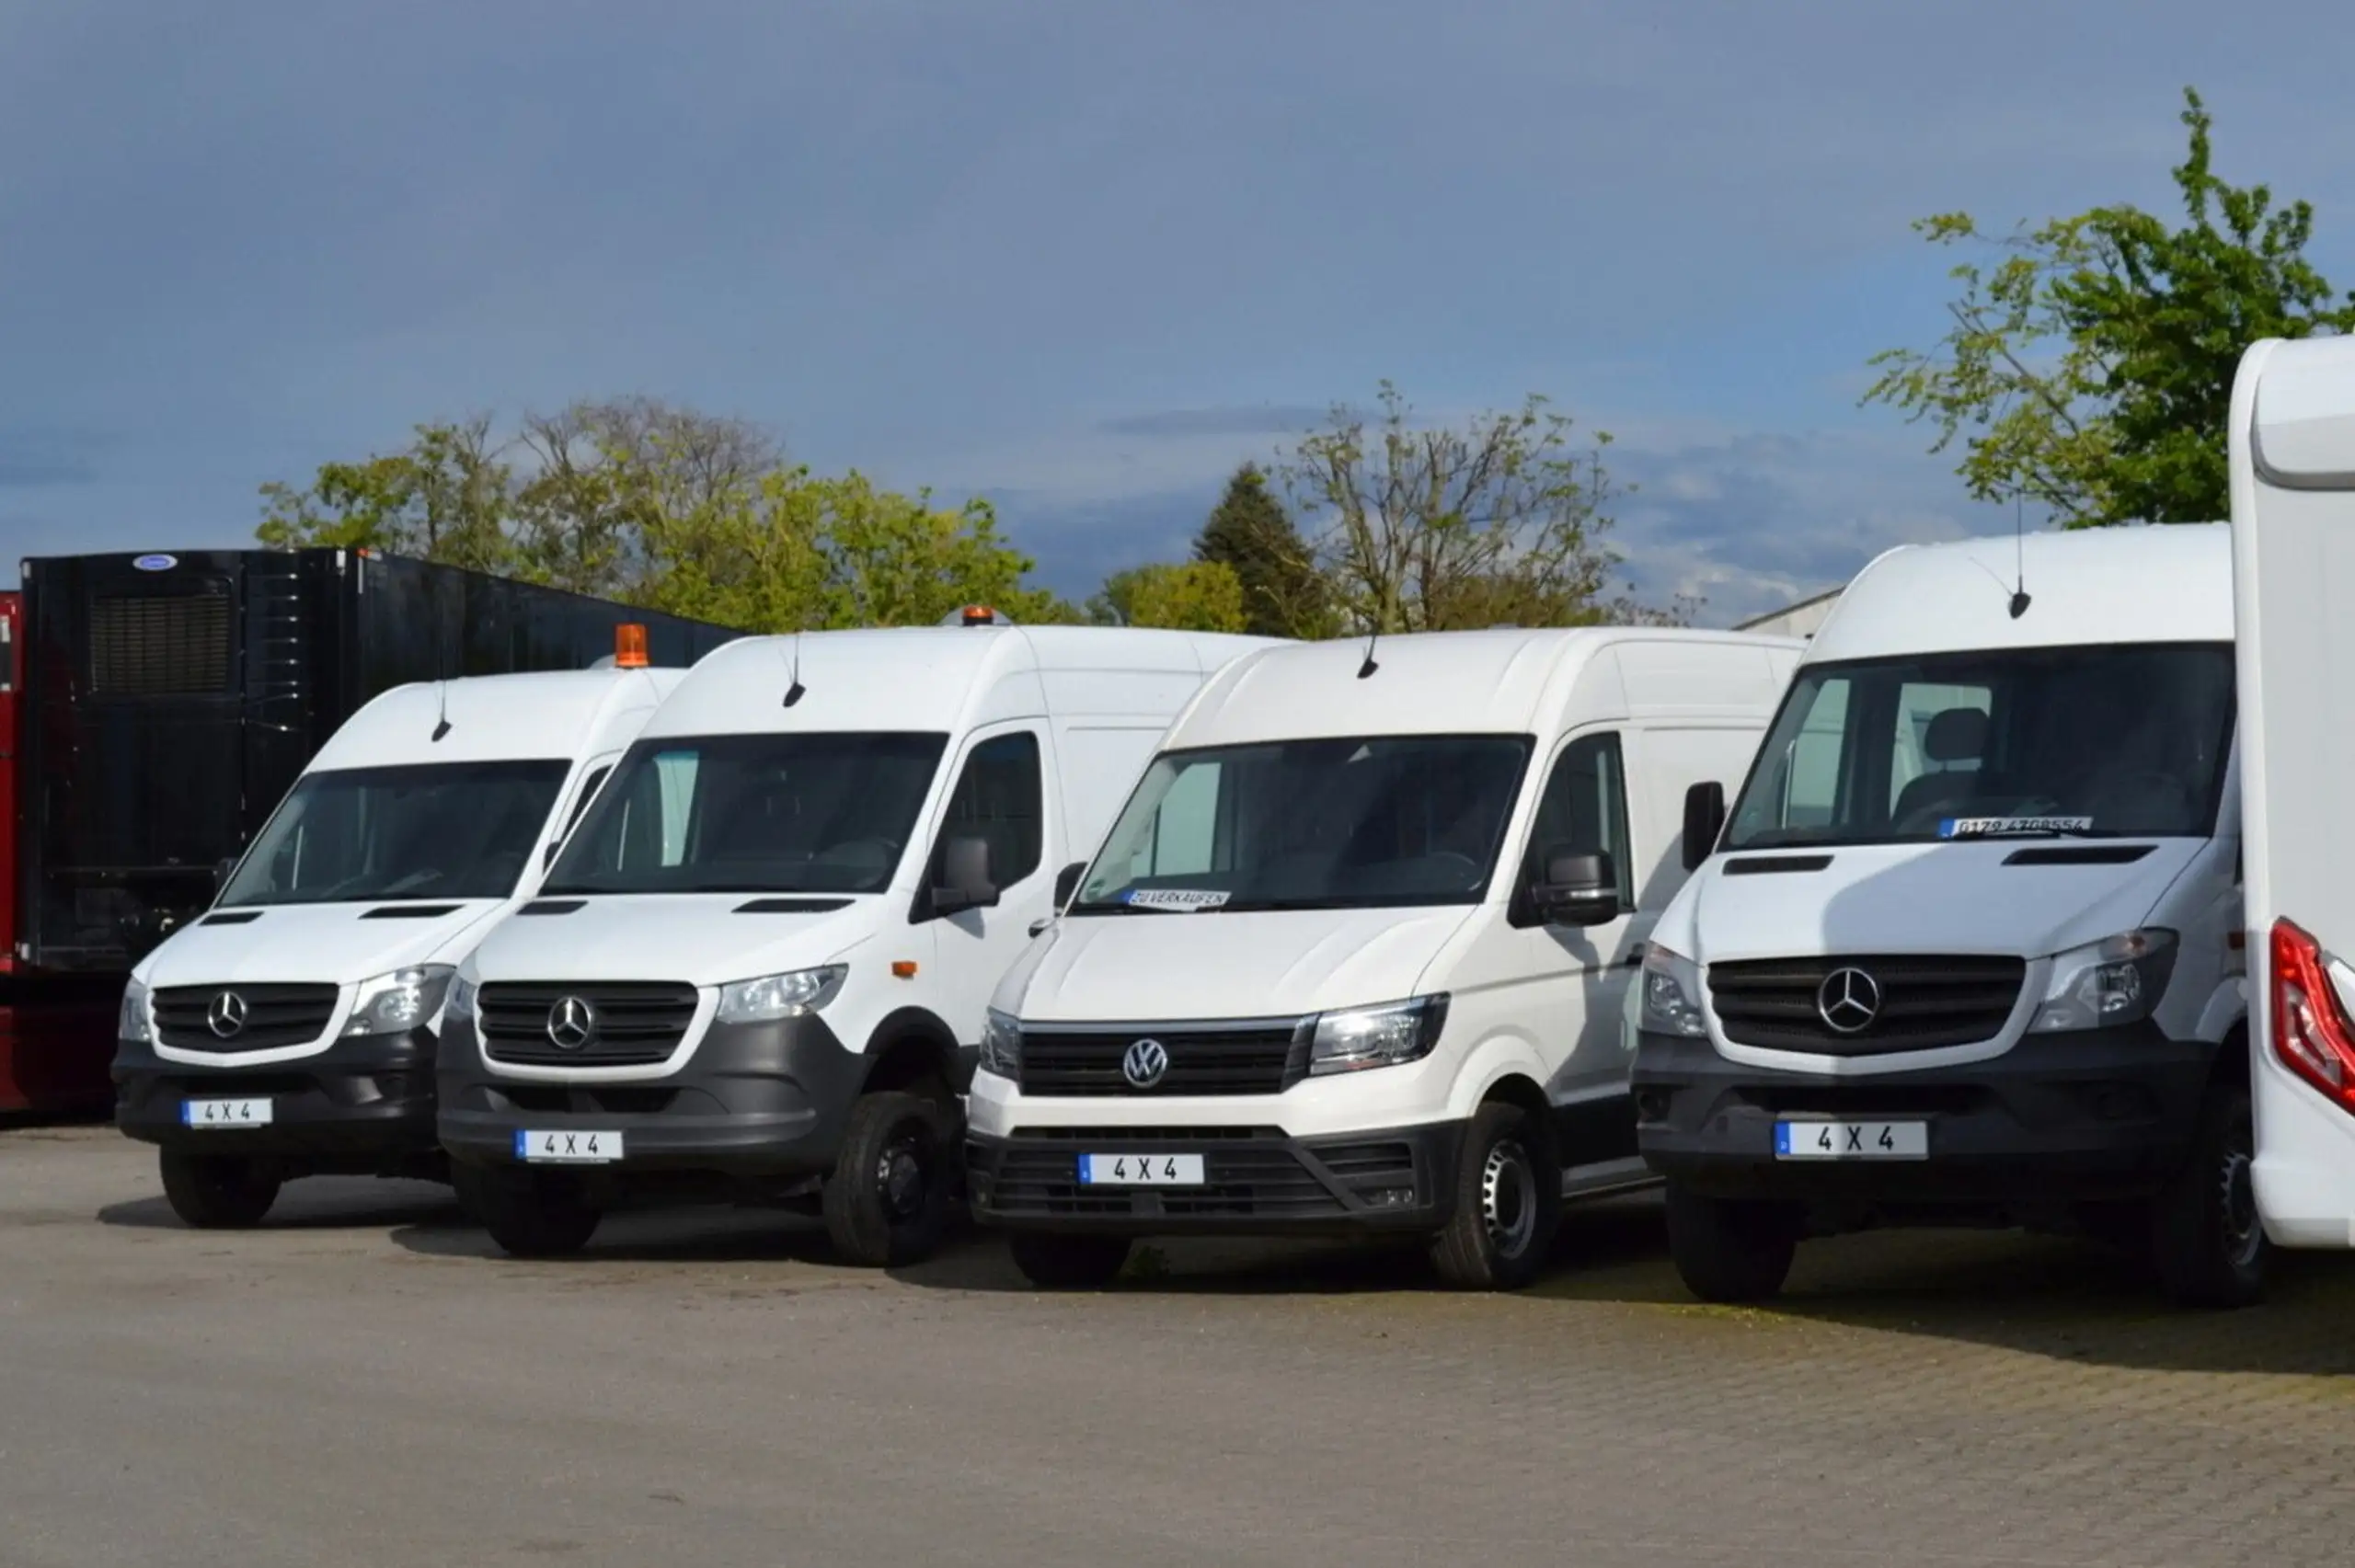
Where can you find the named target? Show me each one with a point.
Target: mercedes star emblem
(1848, 999)
(226, 1015)
(570, 1022)
(1145, 1063)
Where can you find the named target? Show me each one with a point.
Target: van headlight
(130, 1023)
(1671, 994)
(2103, 984)
(397, 1002)
(1361, 1038)
(1002, 1046)
(788, 995)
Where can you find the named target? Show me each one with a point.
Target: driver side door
(999, 796)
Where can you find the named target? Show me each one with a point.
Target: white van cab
(1969, 951)
(2292, 445)
(290, 1031)
(759, 971)
(1353, 958)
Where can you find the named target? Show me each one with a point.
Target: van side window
(1584, 811)
(998, 799)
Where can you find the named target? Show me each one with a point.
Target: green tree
(1249, 533)
(1194, 596)
(447, 497)
(2089, 369)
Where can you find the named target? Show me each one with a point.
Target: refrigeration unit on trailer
(1352, 959)
(758, 972)
(1969, 950)
(290, 1031)
(2292, 443)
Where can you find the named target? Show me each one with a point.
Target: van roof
(2160, 583)
(1494, 683)
(493, 718)
(936, 679)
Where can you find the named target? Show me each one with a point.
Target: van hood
(337, 942)
(1939, 897)
(698, 938)
(1264, 964)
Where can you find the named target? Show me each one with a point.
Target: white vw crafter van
(2292, 440)
(290, 1031)
(1969, 951)
(759, 971)
(1353, 958)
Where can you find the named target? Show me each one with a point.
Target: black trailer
(172, 699)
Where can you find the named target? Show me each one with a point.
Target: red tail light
(2312, 1034)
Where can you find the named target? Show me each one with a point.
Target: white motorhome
(290, 1031)
(1969, 951)
(759, 971)
(1352, 957)
(2293, 456)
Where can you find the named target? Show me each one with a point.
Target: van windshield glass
(433, 831)
(815, 813)
(1351, 823)
(2116, 741)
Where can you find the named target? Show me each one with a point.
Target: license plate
(1852, 1141)
(568, 1147)
(1141, 1170)
(224, 1114)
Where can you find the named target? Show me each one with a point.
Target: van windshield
(1353, 823)
(432, 831)
(813, 813)
(2114, 741)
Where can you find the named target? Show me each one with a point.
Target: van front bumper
(363, 1106)
(2064, 1118)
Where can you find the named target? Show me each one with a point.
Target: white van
(290, 1031)
(1353, 958)
(1968, 952)
(2292, 440)
(759, 971)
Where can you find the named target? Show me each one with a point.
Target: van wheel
(887, 1203)
(1726, 1250)
(2206, 1239)
(1068, 1263)
(218, 1192)
(1508, 1203)
(530, 1214)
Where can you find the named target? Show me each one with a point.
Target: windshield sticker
(1187, 898)
(2000, 827)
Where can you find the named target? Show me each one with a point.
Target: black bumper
(2076, 1117)
(362, 1105)
(1257, 1181)
(754, 1101)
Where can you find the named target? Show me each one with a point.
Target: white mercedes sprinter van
(1353, 958)
(2292, 440)
(290, 1032)
(758, 971)
(1968, 952)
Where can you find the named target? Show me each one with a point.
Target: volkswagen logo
(570, 1022)
(1849, 1001)
(1145, 1063)
(226, 1016)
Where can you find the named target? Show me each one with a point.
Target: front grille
(1258, 1057)
(275, 1015)
(159, 645)
(631, 1024)
(1247, 1178)
(1925, 1002)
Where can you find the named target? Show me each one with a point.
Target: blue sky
(1079, 256)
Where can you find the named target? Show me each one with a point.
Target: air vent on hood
(792, 906)
(1768, 865)
(552, 906)
(2079, 854)
(232, 917)
(411, 911)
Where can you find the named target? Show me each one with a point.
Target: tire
(1508, 1203)
(2206, 1240)
(530, 1214)
(218, 1192)
(888, 1203)
(1068, 1263)
(1729, 1251)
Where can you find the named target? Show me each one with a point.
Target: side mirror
(1578, 888)
(1067, 882)
(964, 882)
(1705, 818)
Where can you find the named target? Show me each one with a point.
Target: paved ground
(363, 1383)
